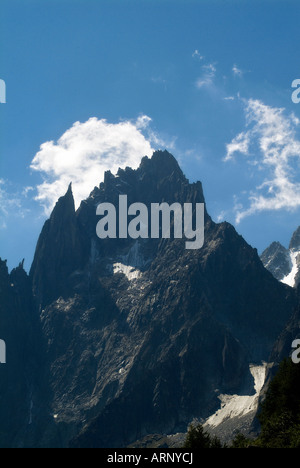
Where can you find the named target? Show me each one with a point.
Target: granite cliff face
(59, 252)
(141, 336)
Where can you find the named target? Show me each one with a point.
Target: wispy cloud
(10, 204)
(86, 150)
(270, 144)
(237, 71)
(196, 55)
(159, 80)
(207, 77)
(240, 144)
(221, 216)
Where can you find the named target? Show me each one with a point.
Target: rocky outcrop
(21, 376)
(295, 241)
(59, 253)
(276, 259)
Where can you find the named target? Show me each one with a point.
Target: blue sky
(208, 80)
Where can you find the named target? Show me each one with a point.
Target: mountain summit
(284, 263)
(141, 336)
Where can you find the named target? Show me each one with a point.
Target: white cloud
(271, 144)
(207, 79)
(221, 216)
(10, 204)
(240, 144)
(26, 191)
(237, 71)
(85, 151)
(197, 55)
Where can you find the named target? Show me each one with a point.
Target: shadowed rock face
(282, 348)
(21, 376)
(141, 336)
(276, 259)
(59, 252)
(283, 345)
(295, 241)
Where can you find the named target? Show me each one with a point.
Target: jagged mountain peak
(162, 163)
(158, 171)
(65, 206)
(58, 251)
(295, 241)
(283, 263)
(3, 266)
(277, 260)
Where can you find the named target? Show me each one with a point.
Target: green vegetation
(197, 439)
(279, 416)
(280, 412)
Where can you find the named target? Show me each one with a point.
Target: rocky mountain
(131, 337)
(21, 378)
(284, 263)
(283, 345)
(283, 348)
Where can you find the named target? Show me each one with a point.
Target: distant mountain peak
(284, 264)
(295, 241)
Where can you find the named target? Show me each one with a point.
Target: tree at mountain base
(279, 414)
(197, 438)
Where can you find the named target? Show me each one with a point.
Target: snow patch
(130, 272)
(131, 263)
(234, 406)
(290, 279)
